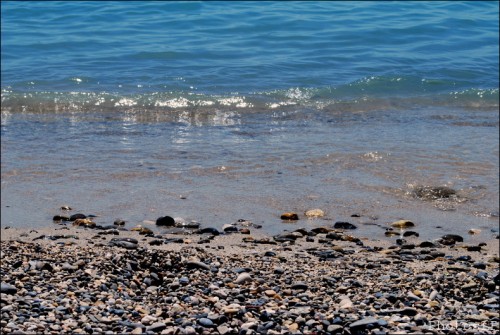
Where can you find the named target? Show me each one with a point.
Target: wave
(366, 94)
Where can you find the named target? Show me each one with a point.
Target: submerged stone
(434, 192)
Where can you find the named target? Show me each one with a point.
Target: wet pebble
(77, 216)
(402, 224)
(344, 225)
(289, 216)
(166, 221)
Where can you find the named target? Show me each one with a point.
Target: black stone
(188, 225)
(344, 225)
(299, 286)
(453, 237)
(167, 221)
(77, 216)
(174, 240)
(127, 239)
(410, 233)
(60, 218)
(427, 244)
(479, 265)
(231, 229)
(209, 230)
(334, 236)
(119, 222)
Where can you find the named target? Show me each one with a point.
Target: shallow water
(252, 112)
(254, 166)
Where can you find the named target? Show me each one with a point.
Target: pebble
(205, 322)
(302, 288)
(60, 218)
(6, 288)
(453, 237)
(77, 216)
(166, 221)
(299, 286)
(314, 213)
(197, 265)
(224, 330)
(344, 225)
(270, 293)
(156, 327)
(229, 228)
(363, 323)
(148, 319)
(402, 224)
(119, 222)
(243, 278)
(289, 216)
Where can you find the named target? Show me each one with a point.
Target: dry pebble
(259, 285)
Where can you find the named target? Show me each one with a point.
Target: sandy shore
(65, 279)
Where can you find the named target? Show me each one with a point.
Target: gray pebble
(7, 288)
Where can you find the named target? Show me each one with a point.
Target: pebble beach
(281, 167)
(81, 280)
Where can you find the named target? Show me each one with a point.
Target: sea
(220, 111)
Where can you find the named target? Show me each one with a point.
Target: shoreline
(243, 283)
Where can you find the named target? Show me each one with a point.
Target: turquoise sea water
(251, 108)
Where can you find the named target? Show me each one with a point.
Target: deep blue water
(250, 109)
(265, 51)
